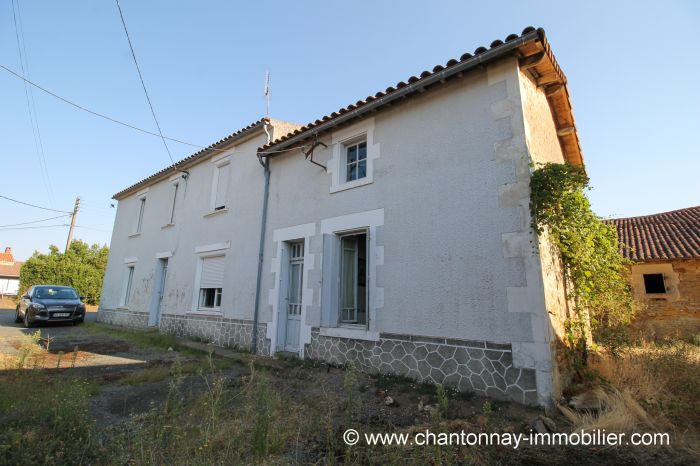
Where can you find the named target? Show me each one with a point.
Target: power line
(31, 104)
(143, 84)
(32, 205)
(35, 221)
(122, 123)
(35, 228)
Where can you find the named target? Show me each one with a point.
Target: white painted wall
(9, 286)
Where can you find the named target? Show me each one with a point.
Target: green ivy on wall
(589, 247)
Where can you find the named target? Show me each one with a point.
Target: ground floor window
(353, 279)
(209, 298)
(654, 283)
(211, 283)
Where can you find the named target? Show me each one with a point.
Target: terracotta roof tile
(199, 154)
(664, 236)
(11, 271)
(561, 108)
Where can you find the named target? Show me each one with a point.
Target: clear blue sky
(633, 70)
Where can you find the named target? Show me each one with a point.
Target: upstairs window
(139, 221)
(654, 283)
(356, 161)
(220, 185)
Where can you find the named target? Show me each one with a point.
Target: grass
(151, 339)
(661, 377)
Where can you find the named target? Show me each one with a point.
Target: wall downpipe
(261, 248)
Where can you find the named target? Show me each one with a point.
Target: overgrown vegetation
(589, 249)
(82, 268)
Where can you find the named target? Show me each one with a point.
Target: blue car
(50, 303)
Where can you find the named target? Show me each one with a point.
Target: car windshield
(48, 292)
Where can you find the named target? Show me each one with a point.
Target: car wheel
(18, 319)
(27, 322)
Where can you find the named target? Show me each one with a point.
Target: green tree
(82, 267)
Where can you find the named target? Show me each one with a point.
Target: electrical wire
(143, 84)
(35, 221)
(35, 206)
(122, 123)
(35, 228)
(31, 104)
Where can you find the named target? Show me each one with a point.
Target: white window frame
(219, 163)
(331, 228)
(128, 283)
(337, 164)
(142, 199)
(205, 252)
(347, 323)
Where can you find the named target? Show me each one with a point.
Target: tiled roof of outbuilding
(664, 236)
(536, 56)
(10, 270)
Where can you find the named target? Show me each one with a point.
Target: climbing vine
(589, 248)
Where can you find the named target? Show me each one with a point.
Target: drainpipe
(261, 248)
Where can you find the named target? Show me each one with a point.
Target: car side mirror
(82, 298)
(26, 296)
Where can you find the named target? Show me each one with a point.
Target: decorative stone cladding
(220, 331)
(123, 317)
(466, 365)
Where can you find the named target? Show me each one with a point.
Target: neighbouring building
(665, 275)
(9, 273)
(393, 234)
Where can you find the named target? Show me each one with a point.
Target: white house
(393, 234)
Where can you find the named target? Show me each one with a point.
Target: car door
(25, 302)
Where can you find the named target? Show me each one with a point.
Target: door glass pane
(294, 283)
(349, 274)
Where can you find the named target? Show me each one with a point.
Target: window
(353, 279)
(127, 286)
(172, 209)
(220, 186)
(654, 283)
(142, 208)
(356, 161)
(211, 283)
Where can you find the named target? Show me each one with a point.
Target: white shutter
(329, 286)
(221, 187)
(212, 272)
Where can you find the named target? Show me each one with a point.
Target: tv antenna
(266, 93)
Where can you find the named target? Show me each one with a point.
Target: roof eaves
(193, 158)
(513, 44)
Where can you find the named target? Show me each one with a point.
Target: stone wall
(479, 366)
(123, 318)
(229, 333)
(676, 314)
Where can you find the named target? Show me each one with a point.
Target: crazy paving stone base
(229, 333)
(466, 365)
(123, 318)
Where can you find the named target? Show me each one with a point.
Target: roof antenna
(266, 93)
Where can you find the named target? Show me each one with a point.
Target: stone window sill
(167, 225)
(206, 313)
(351, 184)
(215, 212)
(135, 235)
(349, 332)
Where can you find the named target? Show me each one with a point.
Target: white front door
(294, 297)
(158, 292)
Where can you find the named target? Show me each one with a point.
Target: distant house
(665, 277)
(9, 273)
(393, 234)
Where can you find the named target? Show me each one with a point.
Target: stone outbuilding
(665, 275)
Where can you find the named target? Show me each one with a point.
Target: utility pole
(72, 223)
